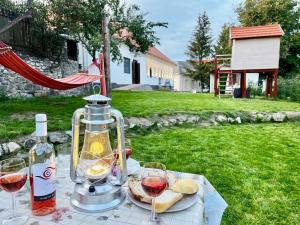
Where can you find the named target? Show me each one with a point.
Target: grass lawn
(17, 116)
(147, 103)
(256, 168)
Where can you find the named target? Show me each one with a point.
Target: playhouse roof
(157, 53)
(273, 30)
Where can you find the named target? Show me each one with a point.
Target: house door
(136, 75)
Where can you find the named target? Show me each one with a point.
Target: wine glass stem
(153, 214)
(13, 195)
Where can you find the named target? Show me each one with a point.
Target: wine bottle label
(43, 181)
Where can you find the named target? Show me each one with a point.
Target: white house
(152, 68)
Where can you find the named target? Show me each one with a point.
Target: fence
(25, 35)
(19, 35)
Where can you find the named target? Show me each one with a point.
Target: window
(126, 65)
(150, 72)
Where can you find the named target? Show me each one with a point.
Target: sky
(182, 16)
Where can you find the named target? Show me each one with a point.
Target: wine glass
(154, 182)
(116, 172)
(13, 176)
(128, 148)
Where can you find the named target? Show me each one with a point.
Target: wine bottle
(42, 171)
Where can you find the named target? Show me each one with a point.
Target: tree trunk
(29, 4)
(106, 53)
(201, 86)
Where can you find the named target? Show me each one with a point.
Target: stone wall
(14, 85)
(138, 125)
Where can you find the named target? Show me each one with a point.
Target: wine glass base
(17, 220)
(156, 222)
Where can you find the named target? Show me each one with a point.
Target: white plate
(186, 202)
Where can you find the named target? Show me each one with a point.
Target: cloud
(182, 16)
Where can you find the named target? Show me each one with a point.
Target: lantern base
(99, 198)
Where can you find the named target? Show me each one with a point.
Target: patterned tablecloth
(207, 211)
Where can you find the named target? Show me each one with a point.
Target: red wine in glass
(127, 150)
(12, 182)
(13, 176)
(154, 185)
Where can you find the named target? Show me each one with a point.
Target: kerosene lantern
(91, 168)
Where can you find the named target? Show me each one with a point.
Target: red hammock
(13, 62)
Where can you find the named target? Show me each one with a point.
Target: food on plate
(139, 194)
(137, 191)
(171, 180)
(185, 186)
(176, 191)
(167, 199)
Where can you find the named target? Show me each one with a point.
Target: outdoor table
(207, 211)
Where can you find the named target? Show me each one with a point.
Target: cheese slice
(167, 199)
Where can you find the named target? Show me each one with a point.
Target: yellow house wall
(160, 68)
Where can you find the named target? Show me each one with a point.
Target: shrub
(255, 90)
(289, 89)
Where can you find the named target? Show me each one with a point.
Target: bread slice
(137, 191)
(167, 199)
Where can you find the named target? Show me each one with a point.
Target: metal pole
(106, 52)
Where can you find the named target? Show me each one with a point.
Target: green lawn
(256, 168)
(60, 109)
(147, 103)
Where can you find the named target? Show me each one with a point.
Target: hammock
(13, 62)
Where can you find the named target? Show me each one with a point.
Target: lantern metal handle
(75, 144)
(121, 145)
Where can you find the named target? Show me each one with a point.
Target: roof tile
(273, 30)
(155, 52)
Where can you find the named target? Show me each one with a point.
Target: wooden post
(275, 89)
(216, 82)
(216, 77)
(106, 52)
(267, 85)
(243, 84)
(102, 78)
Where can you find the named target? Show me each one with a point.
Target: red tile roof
(125, 34)
(155, 52)
(256, 31)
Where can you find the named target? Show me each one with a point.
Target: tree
(287, 14)
(223, 43)
(83, 21)
(200, 48)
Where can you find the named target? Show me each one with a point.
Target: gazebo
(254, 50)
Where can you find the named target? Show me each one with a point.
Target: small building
(255, 53)
(182, 82)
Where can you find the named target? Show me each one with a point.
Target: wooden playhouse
(254, 50)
